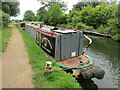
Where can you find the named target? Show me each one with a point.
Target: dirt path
(16, 70)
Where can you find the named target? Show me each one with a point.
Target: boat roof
(52, 29)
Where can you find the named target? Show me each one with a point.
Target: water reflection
(104, 52)
(88, 84)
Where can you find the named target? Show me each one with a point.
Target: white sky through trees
(34, 6)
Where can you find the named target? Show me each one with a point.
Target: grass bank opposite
(37, 58)
(6, 33)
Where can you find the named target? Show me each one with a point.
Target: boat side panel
(33, 33)
(48, 44)
(38, 38)
(80, 49)
(65, 46)
(57, 49)
(74, 44)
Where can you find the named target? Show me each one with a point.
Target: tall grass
(6, 33)
(37, 58)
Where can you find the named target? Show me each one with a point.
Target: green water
(104, 52)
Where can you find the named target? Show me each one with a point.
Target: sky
(34, 6)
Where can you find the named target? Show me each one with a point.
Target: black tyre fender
(88, 74)
(98, 72)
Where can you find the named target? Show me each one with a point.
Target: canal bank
(37, 58)
(96, 33)
(104, 52)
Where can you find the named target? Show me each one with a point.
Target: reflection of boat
(66, 47)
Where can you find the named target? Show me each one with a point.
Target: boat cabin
(58, 43)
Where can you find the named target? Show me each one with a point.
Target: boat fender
(88, 74)
(98, 72)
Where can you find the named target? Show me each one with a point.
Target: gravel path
(16, 70)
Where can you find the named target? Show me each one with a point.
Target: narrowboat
(66, 47)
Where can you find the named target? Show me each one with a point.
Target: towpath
(16, 70)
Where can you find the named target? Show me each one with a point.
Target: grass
(5, 33)
(37, 58)
(37, 22)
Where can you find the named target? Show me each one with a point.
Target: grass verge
(6, 33)
(37, 58)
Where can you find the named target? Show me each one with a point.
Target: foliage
(5, 19)
(79, 6)
(68, 26)
(56, 79)
(41, 13)
(29, 15)
(53, 15)
(6, 33)
(48, 3)
(113, 23)
(74, 16)
(116, 37)
(8, 9)
(36, 22)
(94, 3)
(98, 16)
(63, 19)
(83, 27)
(11, 8)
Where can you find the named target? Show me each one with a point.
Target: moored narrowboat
(66, 47)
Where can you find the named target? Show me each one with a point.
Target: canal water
(104, 52)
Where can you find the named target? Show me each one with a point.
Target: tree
(113, 24)
(79, 6)
(8, 9)
(63, 19)
(41, 13)
(29, 15)
(53, 15)
(5, 19)
(96, 16)
(74, 16)
(48, 3)
(11, 8)
(94, 3)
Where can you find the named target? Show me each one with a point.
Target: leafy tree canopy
(48, 3)
(41, 13)
(53, 15)
(5, 19)
(29, 15)
(80, 5)
(11, 8)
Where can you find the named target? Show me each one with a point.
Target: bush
(101, 28)
(5, 19)
(116, 37)
(83, 26)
